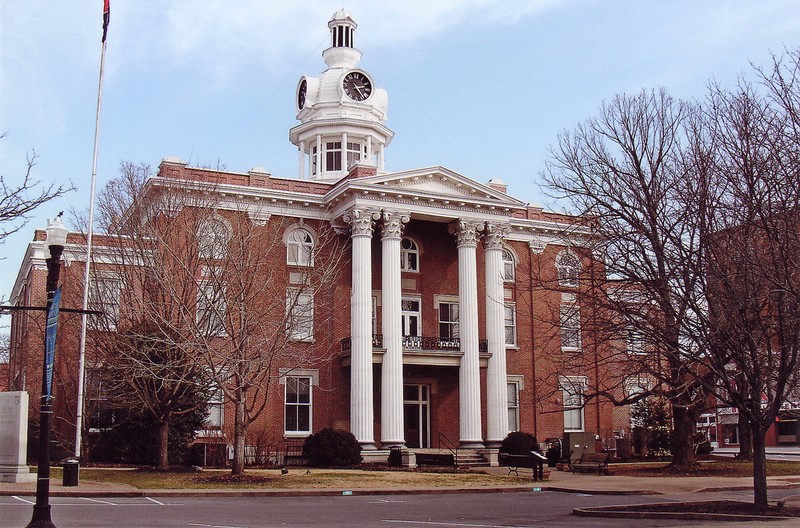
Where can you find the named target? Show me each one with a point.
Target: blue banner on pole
(50, 342)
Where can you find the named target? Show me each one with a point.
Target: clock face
(301, 94)
(357, 86)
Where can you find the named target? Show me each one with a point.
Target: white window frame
(451, 322)
(300, 314)
(510, 324)
(635, 342)
(509, 266)
(569, 269)
(300, 244)
(408, 264)
(573, 390)
(314, 158)
(213, 236)
(513, 383)
(212, 307)
(105, 291)
(356, 151)
(570, 315)
(413, 341)
(290, 380)
(333, 156)
(215, 417)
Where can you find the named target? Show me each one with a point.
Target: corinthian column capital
(465, 231)
(393, 224)
(362, 221)
(494, 235)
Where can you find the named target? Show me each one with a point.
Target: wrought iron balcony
(420, 343)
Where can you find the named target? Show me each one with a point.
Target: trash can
(395, 457)
(71, 468)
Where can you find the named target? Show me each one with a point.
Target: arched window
(213, 235)
(409, 255)
(569, 267)
(509, 266)
(300, 248)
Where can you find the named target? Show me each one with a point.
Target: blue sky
(482, 87)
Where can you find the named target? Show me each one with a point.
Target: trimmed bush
(332, 447)
(519, 443)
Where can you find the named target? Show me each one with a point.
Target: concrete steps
(446, 457)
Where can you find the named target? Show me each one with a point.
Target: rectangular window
(511, 325)
(570, 327)
(333, 156)
(297, 407)
(512, 389)
(353, 153)
(215, 419)
(314, 158)
(374, 315)
(572, 390)
(448, 321)
(100, 411)
(300, 314)
(104, 294)
(412, 323)
(211, 308)
(635, 342)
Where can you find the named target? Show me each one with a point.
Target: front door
(416, 415)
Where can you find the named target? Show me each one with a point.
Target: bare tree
(619, 170)
(696, 209)
(211, 281)
(18, 200)
(5, 347)
(749, 209)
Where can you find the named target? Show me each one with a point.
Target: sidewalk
(559, 481)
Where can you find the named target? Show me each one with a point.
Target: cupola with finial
(341, 112)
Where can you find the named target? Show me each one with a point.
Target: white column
(380, 157)
(392, 432)
(370, 154)
(303, 160)
(362, 415)
(496, 395)
(469, 381)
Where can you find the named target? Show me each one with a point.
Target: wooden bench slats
(514, 462)
(591, 462)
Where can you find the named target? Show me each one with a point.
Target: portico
(397, 344)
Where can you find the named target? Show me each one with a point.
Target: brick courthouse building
(455, 301)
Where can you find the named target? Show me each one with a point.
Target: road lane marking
(214, 525)
(26, 501)
(387, 501)
(157, 502)
(98, 501)
(468, 525)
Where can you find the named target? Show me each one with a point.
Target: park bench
(591, 462)
(534, 461)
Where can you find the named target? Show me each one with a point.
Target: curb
(632, 512)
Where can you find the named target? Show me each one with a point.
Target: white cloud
(223, 39)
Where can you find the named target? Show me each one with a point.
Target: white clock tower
(341, 112)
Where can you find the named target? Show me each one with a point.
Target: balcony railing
(420, 343)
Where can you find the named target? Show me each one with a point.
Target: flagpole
(89, 234)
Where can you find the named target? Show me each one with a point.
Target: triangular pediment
(436, 181)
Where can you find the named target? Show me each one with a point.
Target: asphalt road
(472, 510)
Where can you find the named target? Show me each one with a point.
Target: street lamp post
(55, 241)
